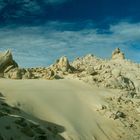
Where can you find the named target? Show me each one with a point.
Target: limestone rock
(8, 68)
(19, 73)
(49, 74)
(117, 115)
(6, 60)
(117, 54)
(119, 83)
(113, 73)
(90, 70)
(27, 75)
(16, 74)
(83, 63)
(116, 72)
(63, 64)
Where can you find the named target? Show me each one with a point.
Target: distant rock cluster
(107, 74)
(9, 69)
(116, 73)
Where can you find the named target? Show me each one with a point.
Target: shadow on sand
(29, 127)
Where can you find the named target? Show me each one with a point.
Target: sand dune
(70, 103)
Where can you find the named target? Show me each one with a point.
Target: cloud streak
(41, 45)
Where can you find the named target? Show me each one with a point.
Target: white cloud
(127, 31)
(41, 45)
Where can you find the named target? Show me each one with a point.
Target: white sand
(69, 103)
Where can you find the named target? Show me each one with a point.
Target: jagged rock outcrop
(57, 70)
(119, 74)
(117, 54)
(9, 68)
(19, 73)
(116, 73)
(62, 65)
(83, 63)
(7, 62)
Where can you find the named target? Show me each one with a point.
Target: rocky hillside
(116, 72)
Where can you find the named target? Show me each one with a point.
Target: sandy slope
(70, 103)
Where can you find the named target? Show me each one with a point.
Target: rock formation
(117, 54)
(19, 73)
(117, 74)
(62, 64)
(109, 73)
(7, 62)
(90, 69)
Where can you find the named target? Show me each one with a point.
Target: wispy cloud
(41, 45)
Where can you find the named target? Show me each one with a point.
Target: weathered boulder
(120, 82)
(116, 72)
(15, 74)
(19, 73)
(49, 74)
(63, 64)
(91, 71)
(27, 75)
(117, 54)
(6, 60)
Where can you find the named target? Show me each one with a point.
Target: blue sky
(39, 31)
(100, 11)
